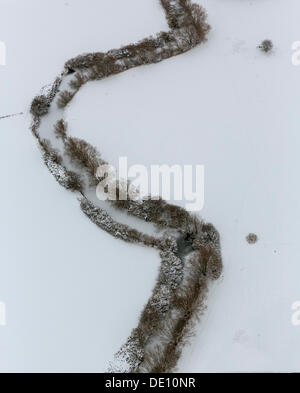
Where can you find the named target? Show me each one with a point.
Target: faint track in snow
(12, 115)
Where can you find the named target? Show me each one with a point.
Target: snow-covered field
(72, 292)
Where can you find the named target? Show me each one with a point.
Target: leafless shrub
(157, 211)
(120, 231)
(74, 182)
(40, 106)
(119, 54)
(78, 81)
(54, 89)
(174, 13)
(130, 356)
(178, 328)
(155, 312)
(149, 210)
(47, 149)
(104, 68)
(84, 156)
(68, 179)
(196, 16)
(36, 121)
(64, 98)
(84, 62)
(60, 129)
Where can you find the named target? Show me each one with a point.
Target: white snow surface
(72, 292)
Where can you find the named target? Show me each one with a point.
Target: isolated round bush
(252, 238)
(266, 46)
